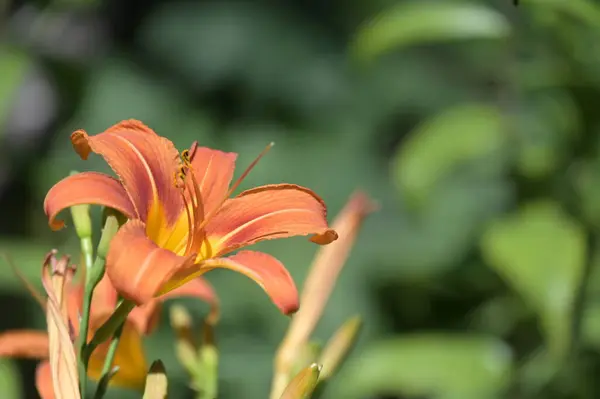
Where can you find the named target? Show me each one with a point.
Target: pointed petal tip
(360, 204)
(289, 309)
(56, 225)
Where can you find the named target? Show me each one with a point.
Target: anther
(185, 156)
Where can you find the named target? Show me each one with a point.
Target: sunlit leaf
(441, 144)
(419, 22)
(540, 251)
(432, 365)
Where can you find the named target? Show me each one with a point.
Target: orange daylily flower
(181, 220)
(129, 356)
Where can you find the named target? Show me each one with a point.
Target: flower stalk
(83, 227)
(93, 273)
(108, 371)
(108, 329)
(318, 286)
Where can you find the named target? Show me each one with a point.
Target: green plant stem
(112, 350)
(87, 251)
(108, 329)
(107, 369)
(94, 273)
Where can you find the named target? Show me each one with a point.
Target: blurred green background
(473, 123)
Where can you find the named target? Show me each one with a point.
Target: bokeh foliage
(473, 123)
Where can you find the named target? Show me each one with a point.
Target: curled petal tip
(325, 238)
(289, 309)
(79, 139)
(56, 225)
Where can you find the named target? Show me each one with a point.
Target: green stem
(83, 227)
(107, 370)
(108, 329)
(93, 276)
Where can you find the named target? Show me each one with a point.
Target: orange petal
(268, 212)
(137, 267)
(145, 318)
(145, 163)
(43, 380)
(266, 271)
(105, 295)
(213, 170)
(86, 188)
(129, 356)
(29, 344)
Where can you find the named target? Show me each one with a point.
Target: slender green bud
(339, 346)
(303, 384)
(111, 226)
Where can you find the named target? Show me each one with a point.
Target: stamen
(194, 208)
(235, 185)
(185, 156)
(192, 151)
(189, 219)
(198, 211)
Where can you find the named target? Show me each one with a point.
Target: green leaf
(585, 176)
(339, 346)
(10, 380)
(419, 22)
(438, 146)
(433, 365)
(591, 326)
(546, 125)
(584, 10)
(540, 251)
